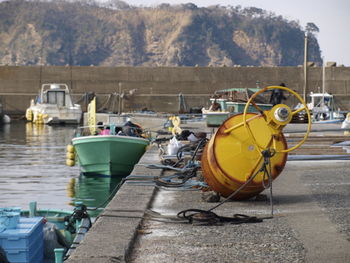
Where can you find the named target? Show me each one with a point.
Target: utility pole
(305, 65)
(120, 99)
(323, 76)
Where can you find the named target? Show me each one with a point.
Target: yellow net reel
(175, 128)
(235, 154)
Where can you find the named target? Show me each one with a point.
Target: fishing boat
(230, 102)
(1, 114)
(4, 119)
(54, 105)
(112, 154)
(322, 105)
(64, 220)
(323, 109)
(43, 235)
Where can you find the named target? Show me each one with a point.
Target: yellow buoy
(29, 114)
(70, 155)
(70, 148)
(70, 162)
(71, 188)
(234, 156)
(38, 118)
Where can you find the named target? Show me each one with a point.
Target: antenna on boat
(41, 64)
(40, 74)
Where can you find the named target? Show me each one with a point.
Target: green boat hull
(109, 155)
(215, 119)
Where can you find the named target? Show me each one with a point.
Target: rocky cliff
(116, 34)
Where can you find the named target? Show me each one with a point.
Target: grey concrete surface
(320, 234)
(302, 230)
(310, 224)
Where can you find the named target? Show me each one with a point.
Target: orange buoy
(230, 159)
(235, 155)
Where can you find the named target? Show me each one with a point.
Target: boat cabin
(322, 107)
(319, 100)
(57, 94)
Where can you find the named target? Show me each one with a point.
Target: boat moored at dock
(112, 151)
(323, 109)
(34, 235)
(109, 155)
(54, 105)
(4, 119)
(226, 103)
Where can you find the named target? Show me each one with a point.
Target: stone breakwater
(159, 88)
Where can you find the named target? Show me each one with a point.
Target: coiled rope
(209, 217)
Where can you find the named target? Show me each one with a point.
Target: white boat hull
(54, 105)
(52, 114)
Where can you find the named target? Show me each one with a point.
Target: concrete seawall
(158, 88)
(119, 221)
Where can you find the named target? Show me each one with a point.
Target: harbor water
(32, 168)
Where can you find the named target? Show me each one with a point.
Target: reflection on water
(32, 161)
(92, 191)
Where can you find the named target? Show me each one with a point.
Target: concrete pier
(311, 221)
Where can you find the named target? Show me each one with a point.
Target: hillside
(116, 34)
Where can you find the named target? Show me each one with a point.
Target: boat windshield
(322, 101)
(56, 97)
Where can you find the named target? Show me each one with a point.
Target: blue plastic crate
(33, 255)
(8, 219)
(29, 233)
(25, 223)
(38, 257)
(30, 220)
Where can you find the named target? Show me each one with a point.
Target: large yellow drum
(230, 159)
(236, 152)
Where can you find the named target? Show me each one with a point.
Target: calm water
(32, 168)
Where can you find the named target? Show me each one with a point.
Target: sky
(331, 16)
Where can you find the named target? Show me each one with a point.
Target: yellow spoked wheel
(277, 118)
